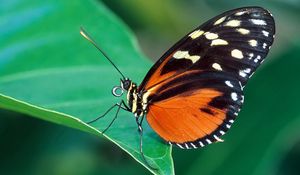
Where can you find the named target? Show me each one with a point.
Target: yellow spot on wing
(233, 23)
(196, 34)
(180, 54)
(211, 36)
(219, 21)
(243, 31)
(253, 42)
(194, 58)
(217, 42)
(185, 55)
(216, 66)
(145, 96)
(237, 54)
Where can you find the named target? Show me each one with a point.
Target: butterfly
(194, 92)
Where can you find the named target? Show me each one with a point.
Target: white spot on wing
(265, 33)
(193, 145)
(237, 54)
(179, 146)
(228, 83)
(253, 43)
(218, 138)
(217, 42)
(222, 132)
(228, 126)
(264, 45)
(240, 13)
(248, 70)
(231, 121)
(201, 144)
(208, 141)
(257, 58)
(196, 34)
(243, 31)
(242, 87)
(219, 21)
(258, 21)
(251, 56)
(211, 36)
(233, 23)
(242, 73)
(234, 96)
(217, 66)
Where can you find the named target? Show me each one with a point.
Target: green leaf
(48, 71)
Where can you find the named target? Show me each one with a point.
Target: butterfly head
(125, 84)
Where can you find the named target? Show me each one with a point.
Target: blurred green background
(264, 140)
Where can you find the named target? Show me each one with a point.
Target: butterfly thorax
(135, 100)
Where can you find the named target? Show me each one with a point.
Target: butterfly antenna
(87, 36)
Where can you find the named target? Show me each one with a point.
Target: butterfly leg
(120, 105)
(140, 130)
(92, 121)
(124, 107)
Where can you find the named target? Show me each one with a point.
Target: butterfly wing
(195, 109)
(194, 91)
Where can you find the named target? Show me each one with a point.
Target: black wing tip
(251, 7)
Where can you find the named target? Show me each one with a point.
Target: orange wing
(194, 109)
(189, 121)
